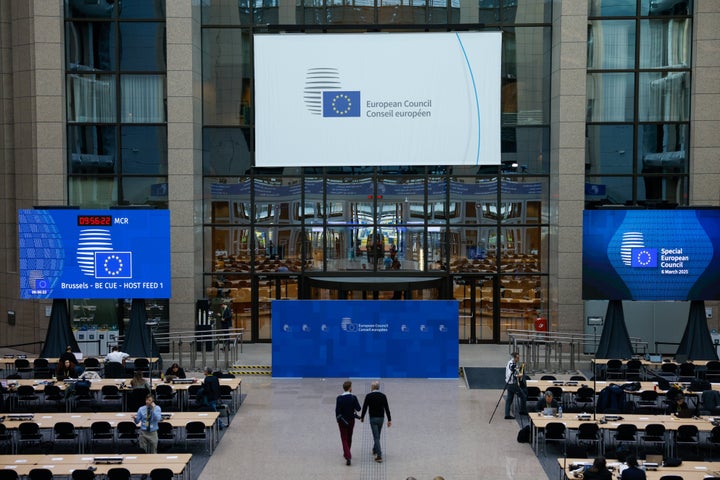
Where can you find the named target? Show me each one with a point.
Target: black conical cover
(696, 343)
(59, 334)
(138, 340)
(614, 341)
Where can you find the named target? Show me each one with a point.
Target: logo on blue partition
(347, 325)
(113, 264)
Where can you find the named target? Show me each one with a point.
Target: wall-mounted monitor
(634, 254)
(94, 253)
(377, 99)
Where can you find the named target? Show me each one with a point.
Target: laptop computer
(108, 460)
(20, 416)
(652, 462)
(550, 412)
(183, 380)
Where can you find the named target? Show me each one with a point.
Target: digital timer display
(70, 253)
(94, 220)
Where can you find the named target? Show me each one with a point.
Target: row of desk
(539, 422)
(181, 389)
(650, 364)
(9, 362)
(643, 368)
(687, 470)
(83, 421)
(64, 465)
(571, 388)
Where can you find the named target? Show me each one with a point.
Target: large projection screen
(365, 338)
(377, 99)
(94, 253)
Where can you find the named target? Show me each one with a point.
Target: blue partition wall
(365, 338)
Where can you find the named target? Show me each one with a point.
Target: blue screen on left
(94, 253)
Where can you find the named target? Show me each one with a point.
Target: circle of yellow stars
(348, 107)
(117, 269)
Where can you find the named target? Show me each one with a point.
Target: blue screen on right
(651, 254)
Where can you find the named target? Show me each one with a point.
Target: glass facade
(638, 102)
(115, 64)
(271, 233)
(275, 233)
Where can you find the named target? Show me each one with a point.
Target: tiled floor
(286, 429)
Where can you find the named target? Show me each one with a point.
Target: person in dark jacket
(175, 371)
(680, 408)
(210, 392)
(227, 317)
(611, 399)
(68, 355)
(376, 402)
(598, 470)
(67, 369)
(547, 401)
(633, 471)
(346, 408)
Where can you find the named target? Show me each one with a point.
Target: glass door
(476, 312)
(484, 308)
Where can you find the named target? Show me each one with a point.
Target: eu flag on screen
(113, 264)
(644, 257)
(341, 104)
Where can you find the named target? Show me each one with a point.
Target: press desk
(63, 465)
(688, 470)
(539, 422)
(180, 388)
(9, 363)
(83, 421)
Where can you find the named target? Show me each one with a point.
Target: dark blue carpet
(485, 378)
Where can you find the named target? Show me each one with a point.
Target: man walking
(376, 402)
(514, 380)
(346, 408)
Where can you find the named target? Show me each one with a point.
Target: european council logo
(644, 257)
(341, 104)
(113, 264)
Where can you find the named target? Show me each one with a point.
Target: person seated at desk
(67, 369)
(175, 371)
(547, 401)
(209, 394)
(598, 470)
(138, 381)
(633, 471)
(680, 408)
(711, 402)
(68, 355)
(210, 391)
(116, 356)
